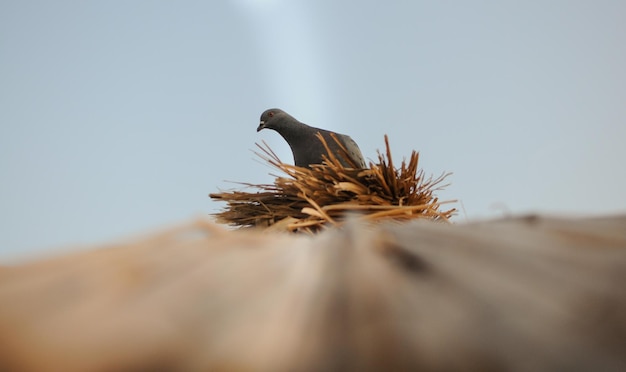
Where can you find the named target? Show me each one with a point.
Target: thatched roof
(533, 293)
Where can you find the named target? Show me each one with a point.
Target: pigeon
(307, 149)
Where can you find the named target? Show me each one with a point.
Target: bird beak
(261, 126)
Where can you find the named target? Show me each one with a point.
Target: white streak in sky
(288, 48)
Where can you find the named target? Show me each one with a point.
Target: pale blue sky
(119, 117)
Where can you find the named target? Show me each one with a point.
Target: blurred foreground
(529, 294)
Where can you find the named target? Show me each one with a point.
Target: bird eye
(271, 114)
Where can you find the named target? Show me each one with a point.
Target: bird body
(306, 147)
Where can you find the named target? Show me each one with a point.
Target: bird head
(273, 119)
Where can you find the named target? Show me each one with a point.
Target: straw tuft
(308, 199)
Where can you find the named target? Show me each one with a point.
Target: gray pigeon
(307, 149)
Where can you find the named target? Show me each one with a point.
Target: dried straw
(308, 199)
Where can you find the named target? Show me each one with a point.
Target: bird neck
(298, 134)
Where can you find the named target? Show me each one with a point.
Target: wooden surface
(521, 294)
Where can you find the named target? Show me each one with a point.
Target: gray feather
(307, 149)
